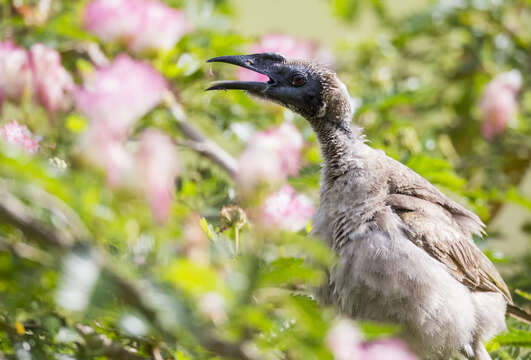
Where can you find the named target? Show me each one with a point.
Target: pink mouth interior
(248, 75)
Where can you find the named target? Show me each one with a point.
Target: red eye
(298, 80)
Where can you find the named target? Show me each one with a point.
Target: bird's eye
(298, 80)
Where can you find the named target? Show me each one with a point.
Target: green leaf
(373, 330)
(286, 271)
(346, 9)
(515, 337)
(523, 294)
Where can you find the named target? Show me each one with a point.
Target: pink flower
(38, 71)
(53, 84)
(162, 27)
(141, 24)
(19, 135)
(113, 20)
(288, 46)
(286, 210)
(157, 168)
(344, 340)
(116, 96)
(151, 169)
(499, 104)
(109, 153)
(271, 156)
(386, 349)
(212, 305)
(15, 71)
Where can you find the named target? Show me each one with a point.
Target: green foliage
(140, 287)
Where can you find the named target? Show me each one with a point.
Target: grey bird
(405, 250)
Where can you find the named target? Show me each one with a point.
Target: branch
(202, 144)
(16, 212)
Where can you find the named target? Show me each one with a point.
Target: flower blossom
(344, 341)
(51, 81)
(499, 104)
(156, 170)
(386, 349)
(15, 71)
(38, 71)
(140, 24)
(116, 96)
(288, 46)
(19, 135)
(271, 156)
(212, 305)
(286, 209)
(113, 98)
(110, 153)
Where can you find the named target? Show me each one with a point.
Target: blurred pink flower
(286, 210)
(499, 103)
(19, 135)
(109, 153)
(157, 168)
(386, 349)
(271, 156)
(344, 340)
(141, 24)
(113, 20)
(162, 27)
(116, 96)
(15, 71)
(212, 305)
(52, 83)
(290, 47)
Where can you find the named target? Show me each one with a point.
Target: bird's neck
(339, 143)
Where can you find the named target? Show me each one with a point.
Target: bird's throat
(338, 142)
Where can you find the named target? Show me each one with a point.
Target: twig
(95, 54)
(16, 212)
(201, 143)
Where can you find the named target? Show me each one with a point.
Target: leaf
(436, 170)
(373, 330)
(289, 271)
(514, 196)
(346, 9)
(193, 278)
(523, 294)
(207, 228)
(515, 337)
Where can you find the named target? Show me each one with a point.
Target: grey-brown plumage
(405, 250)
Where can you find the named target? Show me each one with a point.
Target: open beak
(260, 63)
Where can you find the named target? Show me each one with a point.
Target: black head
(298, 85)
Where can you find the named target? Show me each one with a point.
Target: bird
(405, 251)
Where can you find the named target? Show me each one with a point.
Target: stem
(237, 239)
(202, 144)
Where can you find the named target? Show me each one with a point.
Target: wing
(443, 229)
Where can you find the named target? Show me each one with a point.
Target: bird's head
(309, 89)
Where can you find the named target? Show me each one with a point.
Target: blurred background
(144, 218)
